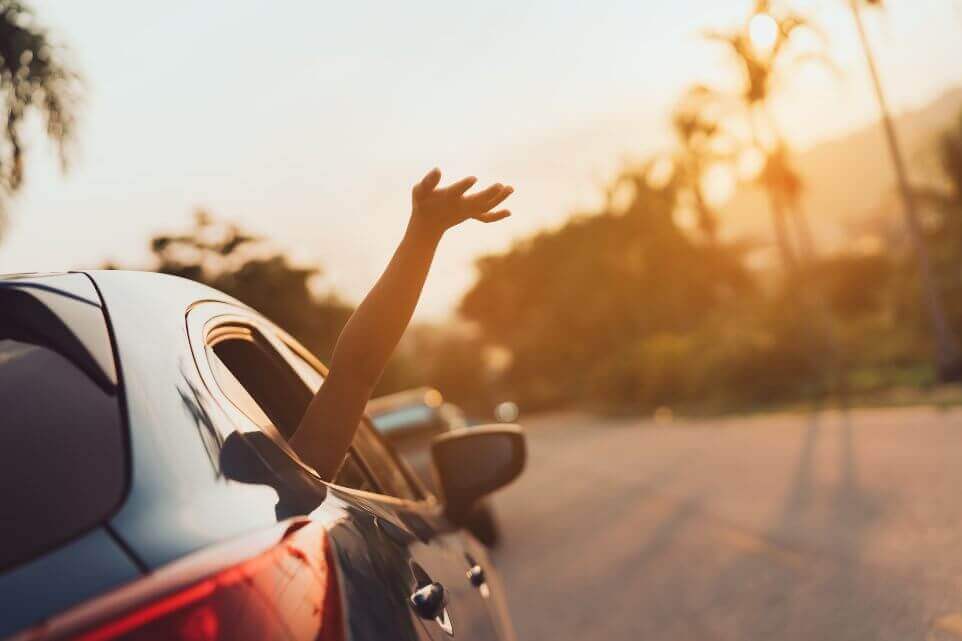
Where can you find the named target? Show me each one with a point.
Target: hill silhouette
(849, 181)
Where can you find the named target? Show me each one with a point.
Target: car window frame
(296, 350)
(204, 317)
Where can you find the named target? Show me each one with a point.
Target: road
(828, 526)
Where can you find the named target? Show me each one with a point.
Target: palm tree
(34, 79)
(701, 142)
(948, 356)
(782, 179)
(763, 53)
(764, 69)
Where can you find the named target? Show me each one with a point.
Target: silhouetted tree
(948, 356)
(701, 142)
(34, 78)
(944, 238)
(572, 304)
(226, 257)
(763, 71)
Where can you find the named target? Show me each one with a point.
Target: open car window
(374, 454)
(383, 465)
(272, 385)
(256, 378)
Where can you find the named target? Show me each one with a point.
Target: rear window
(62, 452)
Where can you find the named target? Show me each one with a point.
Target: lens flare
(763, 32)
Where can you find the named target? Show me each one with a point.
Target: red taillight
(287, 592)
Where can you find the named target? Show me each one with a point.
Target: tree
(763, 54)
(244, 265)
(948, 356)
(34, 79)
(943, 238)
(701, 143)
(569, 304)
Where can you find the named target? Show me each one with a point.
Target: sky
(308, 122)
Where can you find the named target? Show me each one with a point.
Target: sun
(763, 32)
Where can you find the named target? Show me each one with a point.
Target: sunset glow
(763, 32)
(329, 136)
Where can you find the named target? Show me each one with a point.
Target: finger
(485, 194)
(458, 188)
(488, 198)
(429, 182)
(492, 216)
(496, 199)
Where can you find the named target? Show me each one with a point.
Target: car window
(273, 390)
(257, 379)
(62, 442)
(385, 468)
(308, 373)
(235, 392)
(353, 475)
(376, 456)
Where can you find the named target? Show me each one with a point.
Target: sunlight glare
(763, 32)
(750, 163)
(718, 184)
(661, 172)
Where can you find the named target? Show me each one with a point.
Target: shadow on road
(829, 593)
(758, 532)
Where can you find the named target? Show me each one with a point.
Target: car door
(439, 551)
(395, 544)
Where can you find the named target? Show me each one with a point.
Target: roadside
(944, 396)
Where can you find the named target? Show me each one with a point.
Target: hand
(437, 210)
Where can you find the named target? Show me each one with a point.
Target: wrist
(422, 232)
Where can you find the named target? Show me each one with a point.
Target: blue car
(149, 491)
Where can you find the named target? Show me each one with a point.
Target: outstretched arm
(373, 331)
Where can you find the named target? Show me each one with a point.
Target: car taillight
(287, 592)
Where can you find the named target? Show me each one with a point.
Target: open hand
(440, 209)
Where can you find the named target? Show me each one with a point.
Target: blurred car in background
(409, 421)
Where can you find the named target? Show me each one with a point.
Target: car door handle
(429, 601)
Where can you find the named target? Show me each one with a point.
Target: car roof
(136, 283)
(174, 439)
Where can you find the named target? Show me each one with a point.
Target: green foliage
(623, 309)
(607, 305)
(34, 78)
(946, 237)
(227, 258)
(628, 311)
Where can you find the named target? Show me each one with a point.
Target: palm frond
(34, 78)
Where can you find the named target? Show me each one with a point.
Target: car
(149, 491)
(410, 421)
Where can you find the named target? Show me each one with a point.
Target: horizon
(322, 161)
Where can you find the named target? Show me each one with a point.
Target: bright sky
(309, 121)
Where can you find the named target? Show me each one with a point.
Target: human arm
(373, 331)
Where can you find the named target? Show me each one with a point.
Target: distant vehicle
(147, 490)
(409, 421)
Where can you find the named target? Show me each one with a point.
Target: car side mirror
(473, 462)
